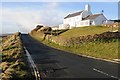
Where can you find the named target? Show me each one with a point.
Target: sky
(24, 16)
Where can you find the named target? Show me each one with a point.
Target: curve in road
(54, 63)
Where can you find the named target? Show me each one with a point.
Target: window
(91, 22)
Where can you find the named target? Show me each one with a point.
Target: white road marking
(105, 73)
(32, 64)
(113, 61)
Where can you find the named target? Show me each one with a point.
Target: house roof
(73, 14)
(92, 16)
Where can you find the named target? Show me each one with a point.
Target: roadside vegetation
(95, 41)
(14, 64)
(0, 50)
(0, 39)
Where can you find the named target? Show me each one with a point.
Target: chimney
(87, 7)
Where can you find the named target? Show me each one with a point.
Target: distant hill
(4, 35)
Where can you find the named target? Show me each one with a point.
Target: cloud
(26, 19)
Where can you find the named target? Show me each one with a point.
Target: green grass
(83, 31)
(99, 49)
(96, 49)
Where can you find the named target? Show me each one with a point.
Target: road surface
(53, 63)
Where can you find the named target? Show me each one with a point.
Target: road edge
(35, 71)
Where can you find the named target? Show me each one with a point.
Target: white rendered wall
(72, 20)
(99, 20)
(83, 23)
(55, 28)
(64, 26)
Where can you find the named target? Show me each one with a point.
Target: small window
(91, 22)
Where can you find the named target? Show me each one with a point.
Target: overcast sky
(24, 16)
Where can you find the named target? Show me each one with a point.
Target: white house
(55, 28)
(64, 26)
(83, 18)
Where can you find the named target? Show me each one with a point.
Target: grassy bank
(0, 39)
(95, 49)
(78, 42)
(80, 32)
(14, 63)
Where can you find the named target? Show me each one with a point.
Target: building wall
(55, 28)
(99, 20)
(83, 23)
(75, 21)
(64, 26)
(72, 20)
(85, 13)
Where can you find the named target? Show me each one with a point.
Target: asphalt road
(53, 63)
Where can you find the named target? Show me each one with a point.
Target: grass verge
(14, 65)
(104, 50)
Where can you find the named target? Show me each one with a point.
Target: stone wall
(104, 37)
(116, 24)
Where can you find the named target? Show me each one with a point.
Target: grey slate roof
(73, 14)
(92, 16)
